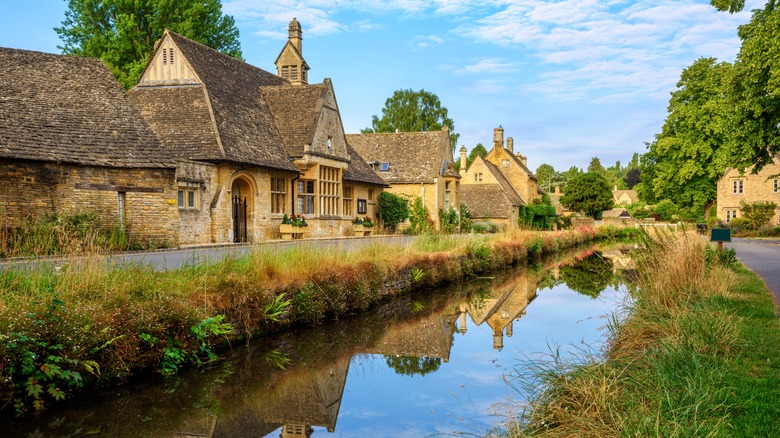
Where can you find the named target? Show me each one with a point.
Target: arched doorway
(241, 196)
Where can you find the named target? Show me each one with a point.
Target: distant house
(735, 187)
(495, 187)
(71, 142)
(617, 216)
(252, 146)
(624, 197)
(415, 164)
(488, 193)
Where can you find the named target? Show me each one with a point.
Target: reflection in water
(287, 385)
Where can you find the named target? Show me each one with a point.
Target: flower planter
(361, 230)
(290, 232)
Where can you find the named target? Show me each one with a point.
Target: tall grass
(685, 360)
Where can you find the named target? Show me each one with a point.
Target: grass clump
(697, 354)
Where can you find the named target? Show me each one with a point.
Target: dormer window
(384, 167)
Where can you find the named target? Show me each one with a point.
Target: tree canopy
(754, 97)
(589, 193)
(413, 111)
(684, 162)
(123, 33)
(545, 174)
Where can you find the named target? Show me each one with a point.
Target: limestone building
(70, 142)
(252, 146)
(734, 188)
(415, 164)
(496, 186)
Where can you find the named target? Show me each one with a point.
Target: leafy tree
(595, 165)
(754, 97)
(684, 162)
(634, 163)
(729, 5)
(632, 178)
(413, 111)
(393, 209)
(666, 209)
(478, 151)
(123, 33)
(544, 176)
(589, 193)
(419, 217)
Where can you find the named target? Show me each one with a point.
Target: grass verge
(697, 354)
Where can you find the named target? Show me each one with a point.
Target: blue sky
(567, 79)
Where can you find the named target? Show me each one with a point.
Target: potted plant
(293, 227)
(362, 227)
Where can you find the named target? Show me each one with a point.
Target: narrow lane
(763, 258)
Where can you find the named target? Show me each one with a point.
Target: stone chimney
(523, 159)
(510, 144)
(498, 137)
(463, 160)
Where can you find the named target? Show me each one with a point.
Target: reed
(686, 358)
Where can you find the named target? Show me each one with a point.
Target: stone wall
(38, 188)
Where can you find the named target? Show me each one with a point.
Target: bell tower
(290, 64)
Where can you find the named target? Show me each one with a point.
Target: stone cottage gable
(308, 120)
(70, 110)
(735, 187)
(408, 157)
(490, 195)
(242, 128)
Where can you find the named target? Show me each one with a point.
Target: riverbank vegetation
(90, 322)
(696, 354)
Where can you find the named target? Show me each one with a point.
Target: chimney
(510, 144)
(523, 159)
(463, 160)
(498, 137)
(296, 35)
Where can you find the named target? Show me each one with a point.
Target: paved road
(176, 258)
(763, 258)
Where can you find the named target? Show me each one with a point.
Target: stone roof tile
(412, 157)
(71, 109)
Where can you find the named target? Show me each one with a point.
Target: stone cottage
(496, 186)
(735, 187)
(70, 142)
(252, 146)
(415, 164)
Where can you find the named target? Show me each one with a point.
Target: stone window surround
(738, 187)
(362, 206)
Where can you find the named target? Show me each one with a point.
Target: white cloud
(489, 65)
(425, 41)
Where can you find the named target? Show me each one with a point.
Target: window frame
(362, 206)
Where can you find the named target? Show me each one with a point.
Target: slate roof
(359, 171)
(295, 109)
(413, 157)
(71, 110)
(242, 120)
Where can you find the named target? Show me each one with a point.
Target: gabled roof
(620, 213)
(242, 122)
(296, 110)
(291, 46)
(72, 110)
(491, 200)
(632, 195)
(413, 157)
(359, 171)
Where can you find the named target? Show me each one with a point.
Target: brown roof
(632, 194)
(296, 110)
(359, 171)
(244, 123)
(413, 157)
(616, 213)
(70, 109)
(513, 195)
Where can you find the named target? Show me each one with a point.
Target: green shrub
(392, 209)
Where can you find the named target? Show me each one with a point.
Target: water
(432, 363)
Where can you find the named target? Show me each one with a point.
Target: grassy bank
(90, 323)
(697, 354)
